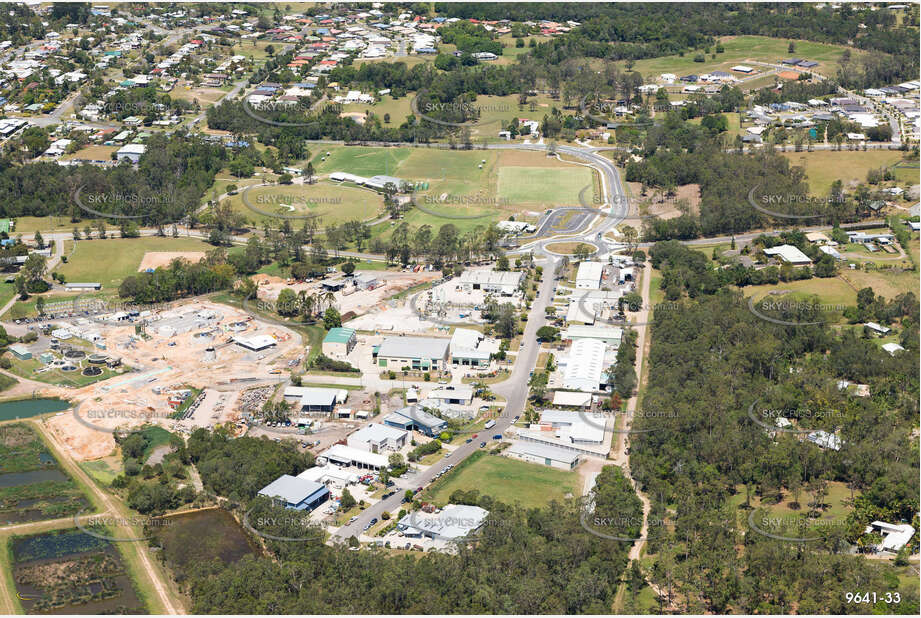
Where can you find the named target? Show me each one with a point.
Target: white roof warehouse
(416, 352)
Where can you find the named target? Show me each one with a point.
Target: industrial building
(376, 438)
(342, 455)
(460, 394)
(339, 341)
(505, 283)
(610, 335)
(466, 350)
(584, 433)
(418, 353)
(585, 366)
(545, 454)
(296, 493)
(255, 343)
(414, 418)
(329, 475)
(789, 254)
(455, 521)
(588, 277)
(313, 399)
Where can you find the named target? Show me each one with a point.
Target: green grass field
(109, 261)
(541, 187)
(103, 471)
(507, 480)
(359, 160)
(480, 186)
(823, 167)
(398, 109)
(7, 291)
(741, 48)
(334, 202)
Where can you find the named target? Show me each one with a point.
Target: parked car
(354, 519)
(482, 444)
(469, 440)
(498, 436)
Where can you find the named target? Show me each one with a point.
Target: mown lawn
(335, 203)
(109, 261)
(508, 480)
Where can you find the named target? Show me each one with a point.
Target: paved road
(515, 391)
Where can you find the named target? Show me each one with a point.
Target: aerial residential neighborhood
(459, 308)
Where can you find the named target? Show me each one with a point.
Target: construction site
(188, 366)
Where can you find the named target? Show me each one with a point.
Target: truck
(489, 424)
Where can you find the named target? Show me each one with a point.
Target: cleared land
(741, 48)
(508, 480)
(823, 167)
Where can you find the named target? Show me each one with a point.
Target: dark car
(482, 444)
(469, 440)
(373, 521)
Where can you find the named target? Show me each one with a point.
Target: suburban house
(892, 348)
(296, 493)
(130, 152)
(895, 536)
(417, 353)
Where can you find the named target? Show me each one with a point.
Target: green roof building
(339, 341)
